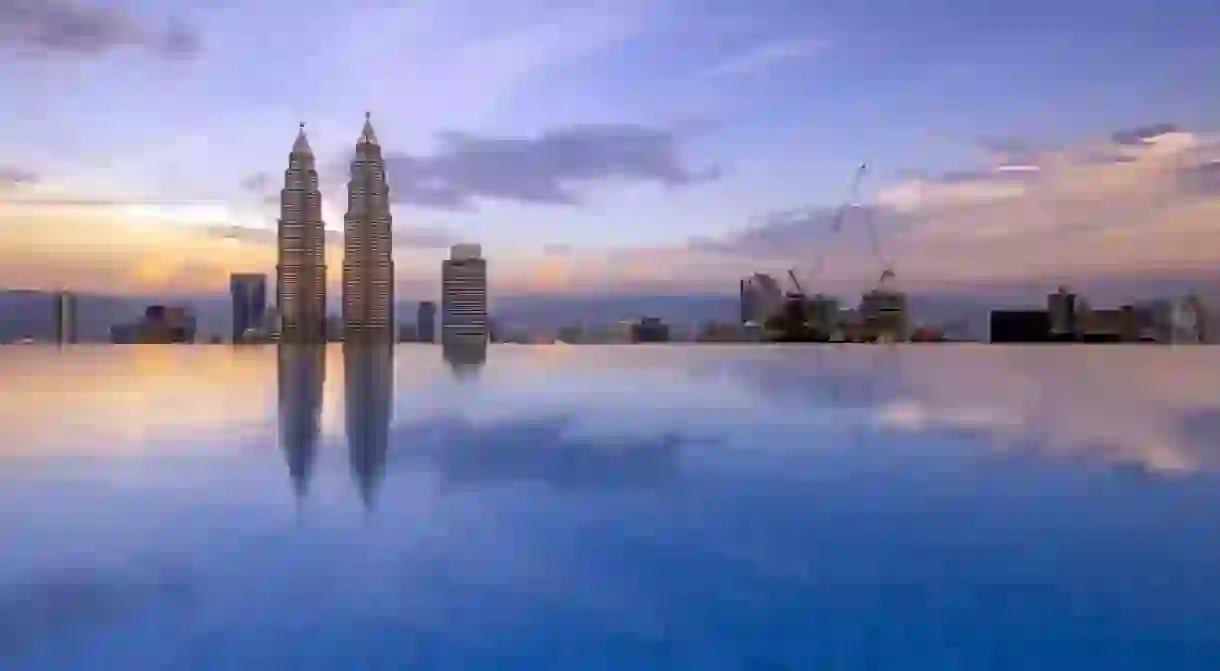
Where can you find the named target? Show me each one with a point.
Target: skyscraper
(249, 295)
(425, 322)
(301, 267)
(65, 318)
(464, 295)
(368, 263)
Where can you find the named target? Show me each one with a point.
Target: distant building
(464, 295)
(713, 332)
(1156, 321)
(1190, 321)
(650, 330)
(1109, 326)
(160, 325)
(65, 318)
(761, 298)
(249, 296)
(1063, 311)
(884, 315)
(571, 335)
(823, 315)
(620, 333)
(1019, 326)
(425, 322)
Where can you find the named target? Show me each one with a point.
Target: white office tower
(1190, 321)
(464, 295)
(300, 270)
(368, 262)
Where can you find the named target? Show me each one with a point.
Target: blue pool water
(616, 508)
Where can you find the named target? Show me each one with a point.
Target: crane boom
(851, 198)
(874, 239)
(795, 282)
(836, 223)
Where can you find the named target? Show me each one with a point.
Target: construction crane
(795, 282)
(888, 273)
(836, 224)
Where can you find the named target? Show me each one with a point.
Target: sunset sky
(616, 145)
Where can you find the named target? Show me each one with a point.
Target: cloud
(259, 182)
(417, 238)
(769, 55)
(1203, 178)
(1143, 200)
(70, 27)
(1143, 134)
(10, 177)
(539, 170)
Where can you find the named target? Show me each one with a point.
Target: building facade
(464, 295)
(300, 270)
(425, 322)
(248, 292)
(368, 262)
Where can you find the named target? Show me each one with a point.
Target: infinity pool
(586, 508)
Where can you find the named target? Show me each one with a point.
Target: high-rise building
(1062, 308)
(368, 262)
(425, 322)
(249, 295)
(464, 294)
(300, 270)
(65, 318)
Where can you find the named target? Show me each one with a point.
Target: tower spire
(301, 146)
(368, 135)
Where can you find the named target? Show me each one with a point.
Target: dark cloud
(259, 182)
(1201, 178)
(10, 177)
(782, 231)
(1141, 134)
(404, 238)
(543, 170)
(72, 27)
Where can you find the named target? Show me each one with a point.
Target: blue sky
(614, 132)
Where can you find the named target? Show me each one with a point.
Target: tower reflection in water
(301, 376)
(465, 357)
(368, 372)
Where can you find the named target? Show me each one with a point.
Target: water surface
(667, 507)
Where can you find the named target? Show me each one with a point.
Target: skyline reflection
(465, 359)
(1001, 508)
(301, 379)
(368, 381)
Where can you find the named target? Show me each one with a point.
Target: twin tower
(368, 262)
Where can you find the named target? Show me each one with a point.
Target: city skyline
(723, 160)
